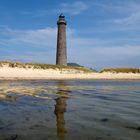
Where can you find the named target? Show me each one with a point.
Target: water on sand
(68, 110)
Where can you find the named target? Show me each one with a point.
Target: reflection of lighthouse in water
(60, 109)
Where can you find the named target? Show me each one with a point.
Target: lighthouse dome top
(61, 19)
(61, 16)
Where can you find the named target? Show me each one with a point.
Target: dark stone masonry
(61, 54)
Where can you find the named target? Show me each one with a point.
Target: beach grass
(44, 66)
(121, 70)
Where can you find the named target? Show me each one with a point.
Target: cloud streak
(100, 57)
(127, 12)
(37, 38)
(133, 19)
(73, 8)
(70, 8)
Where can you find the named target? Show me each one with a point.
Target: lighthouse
(61, 54)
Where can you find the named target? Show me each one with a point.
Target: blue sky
(100, 33)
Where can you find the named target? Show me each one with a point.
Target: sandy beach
(7, 73)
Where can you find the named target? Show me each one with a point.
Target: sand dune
(22, 73)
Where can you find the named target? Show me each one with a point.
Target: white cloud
(36, 38)
(134, 18)
(99, 57)
(126, 12)
(124, 7)
(73, 8)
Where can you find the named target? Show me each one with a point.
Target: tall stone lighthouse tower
(61, 55)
